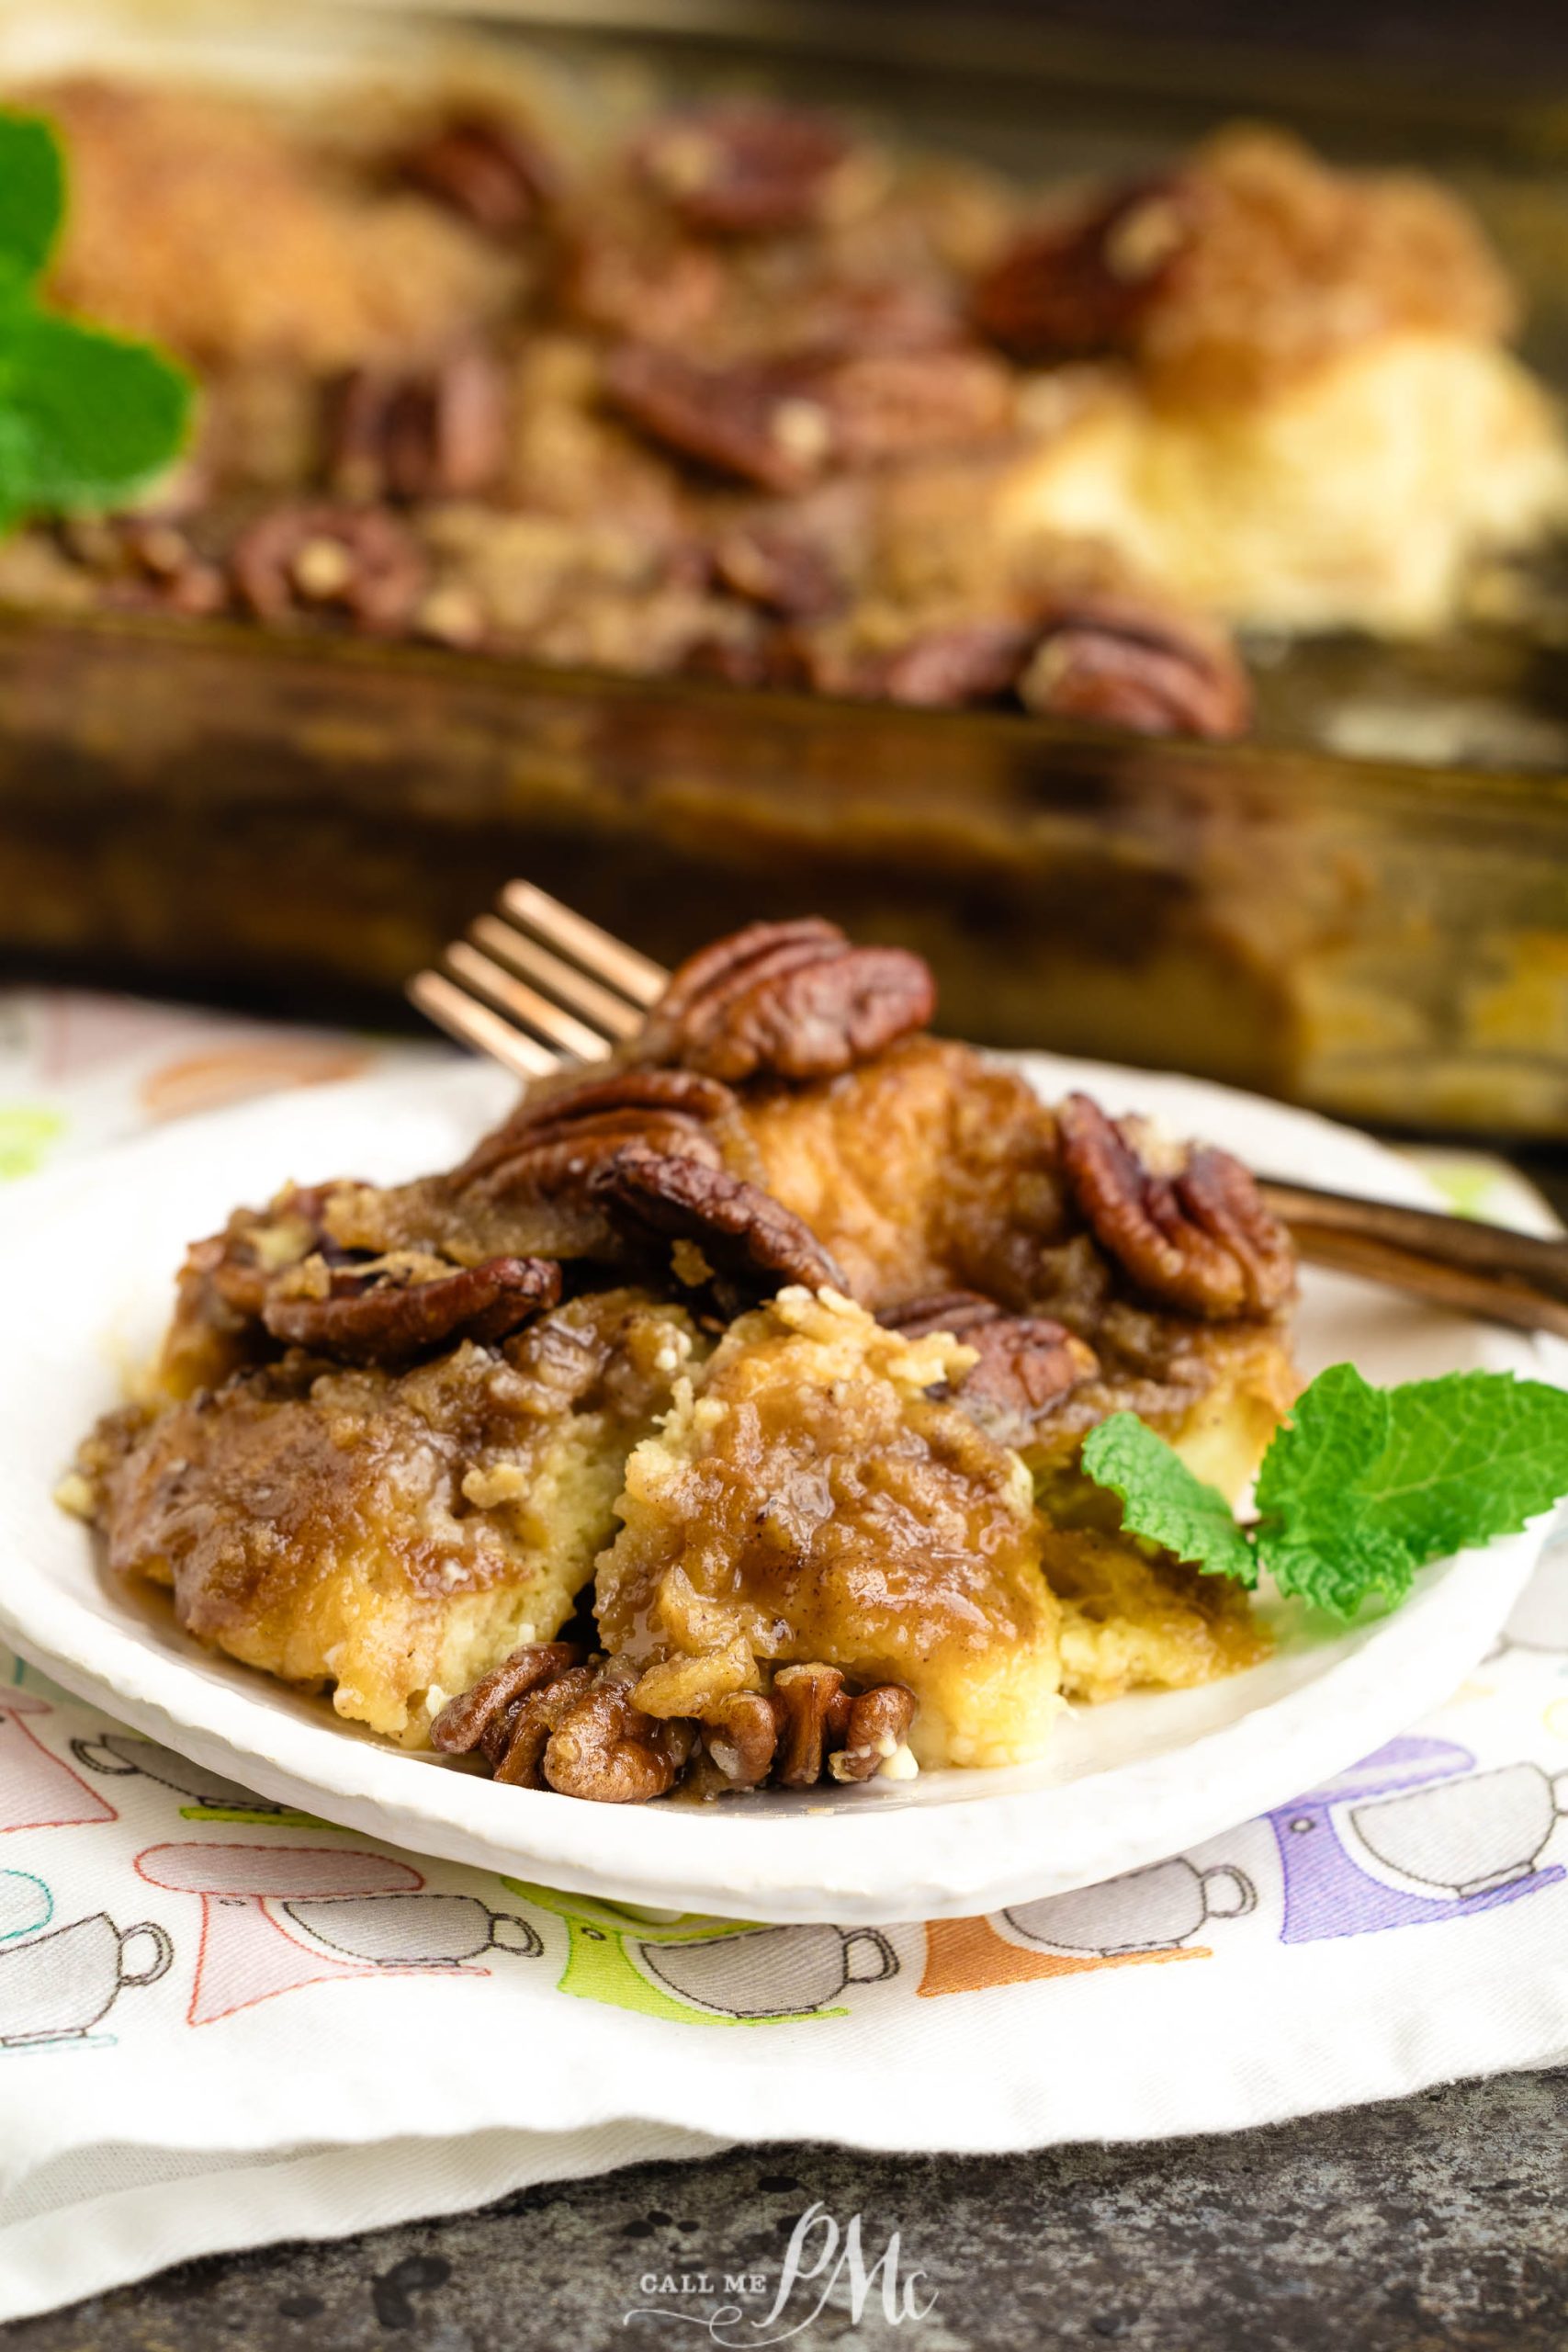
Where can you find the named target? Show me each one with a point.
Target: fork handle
(1460, 1261)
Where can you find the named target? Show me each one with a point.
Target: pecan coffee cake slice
(716, 1420)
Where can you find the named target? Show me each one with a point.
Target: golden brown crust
(812, 1505)
(864, 1517)
(1294, 264)
(388, 1534)
(1246, 268)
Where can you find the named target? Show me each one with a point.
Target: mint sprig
(87, 418)
(1360, 1487)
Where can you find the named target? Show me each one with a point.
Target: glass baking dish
(1364, 907)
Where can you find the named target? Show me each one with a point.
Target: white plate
(86, 1257)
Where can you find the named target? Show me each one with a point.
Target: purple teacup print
(1336, 1878)
(1466, 1837)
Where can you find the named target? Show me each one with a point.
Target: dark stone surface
(1432, 2224)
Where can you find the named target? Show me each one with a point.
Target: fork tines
(535, 985)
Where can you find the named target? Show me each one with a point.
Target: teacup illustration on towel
(769, 1972)
(414, 1930)
(120, 1755)
(702, 1972)
(1145, 1911)
(1466, 1837)
(1412, 1833)
(56, 1986)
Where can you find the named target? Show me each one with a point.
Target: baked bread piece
(841, 1302)
(932, 1174)
(1300, 411)
(386, 1535)
(807, 1500)
(745, 396)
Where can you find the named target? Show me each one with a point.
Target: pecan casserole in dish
(716, 1420)
(736, 391)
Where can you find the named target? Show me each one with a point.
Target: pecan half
(740, 1735)
(440, 432)
(760, 420)
(811, 1708)
(300, 559)
(607, 1750)
(1199, 1239)
(484, 168)
(366, 1319)
(1028, 1362)
(784, 421)
(1081, 284)
(740, 168)
(879, 1725)
(465, 1721)
(736, 1230)
(888, 405)
(1127, 661)
(529, 1726)
(554, 1143)
(787, 1000)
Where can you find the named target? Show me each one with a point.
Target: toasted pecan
(1199, 1239)
(484, 167)
(1133, 661)
(464, 1721)
(307, 559)
(1027, 1362)
(439, 432)
(739, 168)
(878, 1724)
(812, 1711)
(555, 1142)
(738, 1231)
(792, 1000)
(364, 1319)
(1080, 284)
(607, 1750)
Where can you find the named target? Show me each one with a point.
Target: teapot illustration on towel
(37, 1791)
(279, 1917)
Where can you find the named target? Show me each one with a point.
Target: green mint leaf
(1163, 1500)
(32, 194)
(87, 418)
(1362, 1485)
(1313, 1536)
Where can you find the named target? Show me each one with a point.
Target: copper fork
(538, 987)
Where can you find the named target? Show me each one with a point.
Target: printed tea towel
(222, 2023)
